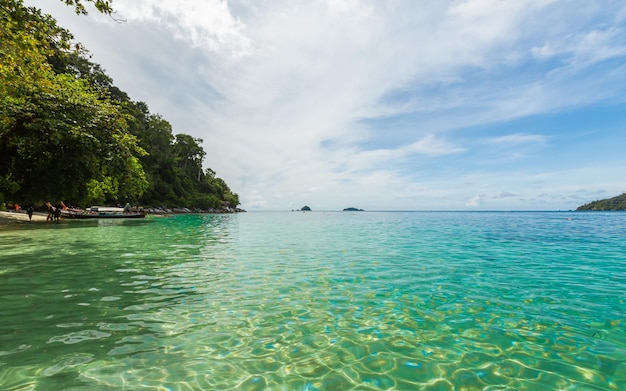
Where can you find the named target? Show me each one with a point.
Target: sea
(316, 301)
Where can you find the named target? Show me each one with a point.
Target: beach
(21, 216)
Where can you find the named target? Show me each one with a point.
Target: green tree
(189, 154)
(614, 203)
(104, 6)
(23, 70)
(155, 136)
(67, 132)
(60, 137)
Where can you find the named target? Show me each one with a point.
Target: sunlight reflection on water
(317, 301)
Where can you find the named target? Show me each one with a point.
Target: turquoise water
(316, 301)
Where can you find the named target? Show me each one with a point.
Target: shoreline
(22, 217)
(9, 217)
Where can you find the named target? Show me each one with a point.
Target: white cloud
(372, 103)
(518, 138)
(504, 194)
(207, 24)
(372, 159)
(584, 49)
(431, 145)
(473, 202)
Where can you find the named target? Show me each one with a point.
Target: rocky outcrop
(165, 210)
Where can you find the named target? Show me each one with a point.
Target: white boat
(101, 212)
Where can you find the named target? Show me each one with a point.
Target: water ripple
(426, 301)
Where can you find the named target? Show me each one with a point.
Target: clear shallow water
(316, 301)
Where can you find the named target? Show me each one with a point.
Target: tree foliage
(67, 133)
(615, 203)
(103, 6)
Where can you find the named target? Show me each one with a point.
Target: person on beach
(30, 212)
(57, 214)
(50, 212)
(127, 208)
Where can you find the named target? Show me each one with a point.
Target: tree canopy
(615, 203)
(67, 133)
(103, 6)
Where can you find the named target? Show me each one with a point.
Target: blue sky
(394, 105)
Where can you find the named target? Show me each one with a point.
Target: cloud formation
(380, 105)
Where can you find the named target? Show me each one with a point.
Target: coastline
(6, 217)
(10, 217)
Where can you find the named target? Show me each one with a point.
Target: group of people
(30, 211)
(54, 213)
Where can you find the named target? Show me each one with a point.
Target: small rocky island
(615, 203)
(351, 209)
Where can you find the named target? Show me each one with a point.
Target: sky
(381, 105)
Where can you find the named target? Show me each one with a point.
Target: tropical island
(615, 203)
(351, 209)
(68, 134)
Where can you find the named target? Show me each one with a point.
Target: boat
(101, 212)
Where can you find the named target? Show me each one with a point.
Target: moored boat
(101, 212)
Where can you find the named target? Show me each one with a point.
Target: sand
(21, 217)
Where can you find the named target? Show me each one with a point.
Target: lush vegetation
(67, 133)
(615, 203)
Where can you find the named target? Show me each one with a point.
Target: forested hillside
(67, 133)
(615, 203)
